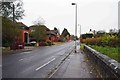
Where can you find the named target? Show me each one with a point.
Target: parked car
(33, 42)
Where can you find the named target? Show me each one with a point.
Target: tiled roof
(30, 27)
(22, 26)
(51, 32)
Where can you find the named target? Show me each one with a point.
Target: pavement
(77, 65)
(0, 62)
(26, 48)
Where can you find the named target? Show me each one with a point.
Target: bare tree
(12, 9)
(39, 21)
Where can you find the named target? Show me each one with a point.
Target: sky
(92, 14)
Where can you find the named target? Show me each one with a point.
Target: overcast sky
(92, 14)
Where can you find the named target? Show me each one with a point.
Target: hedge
(111, 41)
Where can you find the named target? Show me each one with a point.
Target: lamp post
(80, 32)
(75, 25)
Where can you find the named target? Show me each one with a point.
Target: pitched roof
(47, 29)
(22, 26)
(51, 32)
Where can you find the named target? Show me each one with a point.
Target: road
(37, 63)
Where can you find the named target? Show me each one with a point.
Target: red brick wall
(22, 34)
(53, 38)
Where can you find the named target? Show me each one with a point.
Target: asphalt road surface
(36, 63)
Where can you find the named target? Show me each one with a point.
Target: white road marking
(45, 64)
(24, 52)
(20, 59)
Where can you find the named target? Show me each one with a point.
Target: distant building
(72, 37)
(92, 31)
(52, 35)
(32, 29)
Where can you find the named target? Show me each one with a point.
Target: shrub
(42, 43)
(10, 31)
(106, 40)
(5, 43)
(84, 36)
(29, 44)
(49, 42)
(46, 44)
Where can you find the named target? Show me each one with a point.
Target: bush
(84, 36)
(42, 43)
(10, 32)
(46, 44)
(29, 44)
(106, 40)
(49, 43)
(5, 44)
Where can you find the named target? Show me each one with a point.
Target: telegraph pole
(13, 12)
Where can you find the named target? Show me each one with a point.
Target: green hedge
(106, 40)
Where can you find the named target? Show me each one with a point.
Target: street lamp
(75, 25)
(80, 32)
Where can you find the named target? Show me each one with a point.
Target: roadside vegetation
(112, 52)
(10, 32)
(55, 43)
(82, 46)
(107, 43)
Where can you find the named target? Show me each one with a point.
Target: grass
(82, 46)
(112, 52)
(5, 48)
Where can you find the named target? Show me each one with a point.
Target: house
(32, 30)
(65, 36)
(23, 39)
(24, 32)
(52, 35)
(72, 37)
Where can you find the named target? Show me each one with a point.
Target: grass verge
(112, 52)
(82, 46)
